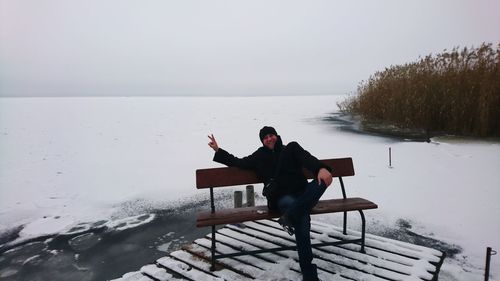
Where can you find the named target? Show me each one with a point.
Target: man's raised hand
(213, 143)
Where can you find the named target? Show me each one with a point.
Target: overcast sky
(141, 48)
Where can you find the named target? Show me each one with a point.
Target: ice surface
(68, 165)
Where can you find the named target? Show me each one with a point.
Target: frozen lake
(68, 165)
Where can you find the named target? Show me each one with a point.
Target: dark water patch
(403, 232)
(95, 251)
(50, 238)
(127, 251)
(353, 124)
(8, 247)
(54, 265)
(20, 255)
(9, 235)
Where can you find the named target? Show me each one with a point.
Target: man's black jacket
(291, 159)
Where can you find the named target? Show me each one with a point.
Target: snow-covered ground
(64, 161)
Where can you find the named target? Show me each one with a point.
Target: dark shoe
(285, 223)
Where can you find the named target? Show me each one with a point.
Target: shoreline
(353, 124)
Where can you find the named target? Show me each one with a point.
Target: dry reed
(454, 92)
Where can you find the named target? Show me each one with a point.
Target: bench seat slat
(225, 216)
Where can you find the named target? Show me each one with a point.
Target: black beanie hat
(266, 130)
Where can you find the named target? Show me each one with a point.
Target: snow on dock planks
(385, 259)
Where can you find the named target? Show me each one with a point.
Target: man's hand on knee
(325, 177)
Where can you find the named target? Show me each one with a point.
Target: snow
(399, 261)
(67, 163)
(157, 273)
(192, 273)
(203, 265)
(46, 226)
(343, 256)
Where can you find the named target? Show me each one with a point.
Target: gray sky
(158, 47)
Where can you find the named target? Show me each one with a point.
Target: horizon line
(175, 95)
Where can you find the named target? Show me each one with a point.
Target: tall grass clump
(454, 92)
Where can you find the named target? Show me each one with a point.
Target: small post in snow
(489, 252)
(390, 158)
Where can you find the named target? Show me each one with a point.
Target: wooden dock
(385, 259)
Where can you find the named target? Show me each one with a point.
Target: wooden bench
(230, 176)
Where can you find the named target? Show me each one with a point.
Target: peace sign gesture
(213, 143)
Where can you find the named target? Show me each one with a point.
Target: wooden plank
(186, 270)
(153, 271)
(227, 176)
(260, 261)
(227, 216)
(133, 276)
(341, 167)
(204, 265)
(230, 176)
(234, 264)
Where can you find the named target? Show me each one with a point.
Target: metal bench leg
(212, 268)
(212, 209)
(363, 227)
(345, 223)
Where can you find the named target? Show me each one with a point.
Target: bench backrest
(229, 176)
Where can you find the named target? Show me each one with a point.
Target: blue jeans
(297, 209)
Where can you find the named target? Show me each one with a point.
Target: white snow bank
(66, 225)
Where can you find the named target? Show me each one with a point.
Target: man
(286, 187)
